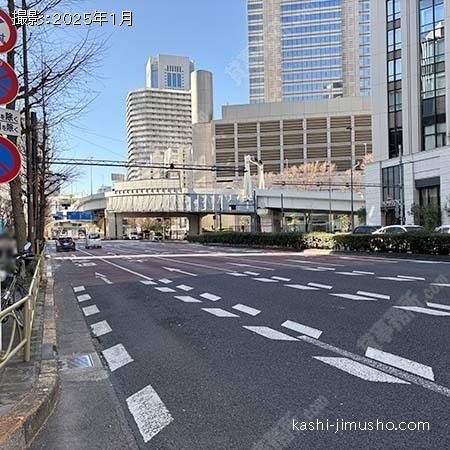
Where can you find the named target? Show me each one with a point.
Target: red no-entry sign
(8, 33)
(10, 161)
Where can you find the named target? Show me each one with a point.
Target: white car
(93, 240)
(443, 229)
(397, 229)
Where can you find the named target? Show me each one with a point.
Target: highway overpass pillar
(114, 225)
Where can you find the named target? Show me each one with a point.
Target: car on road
(397, 229)
(157, 236)
(65, 243)
(93, 240)
(366, 229)
(134, 236)
(443, 229)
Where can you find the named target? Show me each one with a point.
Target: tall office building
(411, 104)
(169, 72)
(308, 49)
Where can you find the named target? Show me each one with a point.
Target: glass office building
(308, 49)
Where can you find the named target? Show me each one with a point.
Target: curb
(19, 428)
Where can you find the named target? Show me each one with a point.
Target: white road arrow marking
(172, 269)
(103, 278)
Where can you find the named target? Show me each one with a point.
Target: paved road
(220, 348)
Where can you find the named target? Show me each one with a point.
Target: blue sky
(213, 33)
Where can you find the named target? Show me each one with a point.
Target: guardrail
(20, 336)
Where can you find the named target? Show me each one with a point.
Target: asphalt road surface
(222, 348)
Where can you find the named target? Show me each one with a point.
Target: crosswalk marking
(281, 279)
(101, 328)
(165, 281)
(149, 412)
(90, 310)
(313, 269)
(237, 274)
(117, 357)
(401, 363)
(247, 309)
(219, 312)
(301, 287)
(187, 299)
(354, 297)
(79, 289)
(212, 297)
(185, 288)
(321, 286)
(266, 280)
(84, 298)
(331, 269)
(411, 278)
(350, 274)
(147, 282)
(164, 289)
(302, 329)
(253, 274)
(374, 295)
(395, 279)
(271, 334)
(361, 272)
(360, 370)
(418, 309)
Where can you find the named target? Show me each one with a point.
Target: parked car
(397, 229)
(134, 236)
(366, 229)
(442, 229)
(93, 240)
(65, 243)
(157, 236)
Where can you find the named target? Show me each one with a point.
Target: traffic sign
(10, 161)
(9, 122)
(8, 33)
(9, 84)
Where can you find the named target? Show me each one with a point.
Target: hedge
(416, 243)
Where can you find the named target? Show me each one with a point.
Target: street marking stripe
(354, 297)
(165, 281)
(441, 284)
(253, 274)
(419, 381)
(212, 297)
(331, 269)
(321, 286)
(185, 288)
(303, 329)
(90, 310)
(312, 269)
(147, 282)
(79, 289)
(282, 279)
(360, 370)
(375, 295)
(395, 279)
(164, 289)
(270, 333)
(411, 278)
(300, 261)
(219, 312)
(149, 412)
(101, 328)
(117, 357)
(266, 280)
(401, 363)
(439, 306)
(247, 309)
(187, 299)
(418, 309)
(361, 272)
(237, 274)
(301, 287)
(84, 298)
(354, 274)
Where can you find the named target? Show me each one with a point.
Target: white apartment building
(169, 72)
(411, 103)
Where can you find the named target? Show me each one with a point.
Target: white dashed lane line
(84, 298)
(187, 299)
(354, 297)
(79, 289)
(361, 272)
(266, 280)
(271, 334)
(439, 306)
(374, 295)
(237, 274)
(396, 279)
(247, 309)
(320, 286)
(165, 281)
(427, 311)
(185, 288)
(301, 287)
(218, 312)
(411, 278)
(90, 310)
(147, 282)
(282, 279)
(164, 289)
(253, 274)
(212, 297)
(149, 412)
(117, 357)
(302, 329)
(101, 328)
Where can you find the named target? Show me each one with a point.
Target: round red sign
(8, 33)
(10, 161)
(9, 84)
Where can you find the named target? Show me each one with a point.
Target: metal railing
(20, 336)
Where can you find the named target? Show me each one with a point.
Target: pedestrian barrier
(20, 336)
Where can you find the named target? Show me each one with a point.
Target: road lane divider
(165, 289)
(374, 295)
(355, 297)
(185, 288)
(187, 299)
(148, 282)
(301, 287)
(219, 312)
(246, 309)
(421, 310)
(117, 357)
(320, 286)
(302, 329)
(270, 333)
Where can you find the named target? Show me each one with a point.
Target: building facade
(411, 103)
(291, 134)
(308, 49)
(169, 72)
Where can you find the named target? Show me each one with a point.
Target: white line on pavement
(187, 299)
(149, 412)
(84, 298)
(185, 288)
(411, 278)
(439, 306)
(312, 269)
(321, 286)
(172, 269)
(395, 279)
(440, 284)
(117, 357)
(266, 280)
(281, 279)
(361, 272)
(147, 282)
(79, 289)
(237, 274)
(219, 312)
(331, 269)
(401, 363)
(250, 265)
(360, 370)
(350, 274)
(418, 309)
(354, 297)
(270, 333)
(101, 328)
(301, 287)
(375, 295)
(303, 329)
(212, 297)
(164, 289)
(247, 309)
(165, 281)
(253, 274)
(90, 310)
